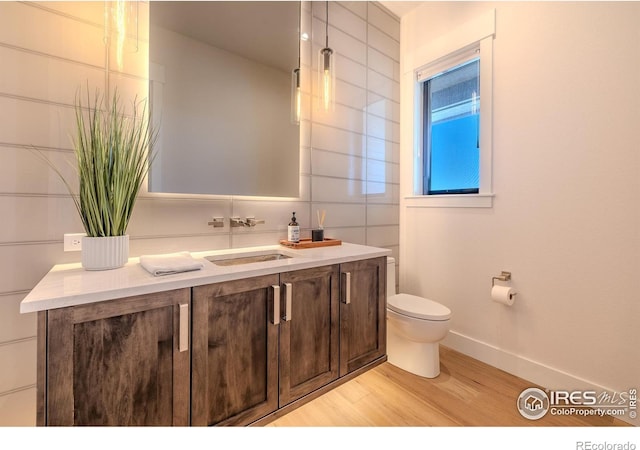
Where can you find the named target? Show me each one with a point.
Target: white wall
(349, 159)
(566, 214)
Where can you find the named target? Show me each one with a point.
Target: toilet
(415, 327)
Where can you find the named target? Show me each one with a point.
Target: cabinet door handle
(288, 292)
(347, 287)
(183, 344)
(276, 304)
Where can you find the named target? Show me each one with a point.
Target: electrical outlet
(73, 242)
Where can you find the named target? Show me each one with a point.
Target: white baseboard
(525, 368)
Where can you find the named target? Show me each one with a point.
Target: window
(449, 94)
(451, 130)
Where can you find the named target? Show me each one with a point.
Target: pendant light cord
(326, 30)
(299, 29)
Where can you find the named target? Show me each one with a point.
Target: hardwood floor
(467, 393)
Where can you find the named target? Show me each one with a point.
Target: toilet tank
(391, 276)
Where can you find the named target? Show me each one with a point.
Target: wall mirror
(220, 91)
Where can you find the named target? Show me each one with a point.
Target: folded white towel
(170, 263)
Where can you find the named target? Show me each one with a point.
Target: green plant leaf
(113, 152)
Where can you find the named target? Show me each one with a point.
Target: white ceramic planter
(104, 253)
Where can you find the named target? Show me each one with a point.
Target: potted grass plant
(113, 152)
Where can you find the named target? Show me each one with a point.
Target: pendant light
(296, 92)
(121, 25)
(326, 72)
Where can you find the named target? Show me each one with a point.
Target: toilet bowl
(415, 327)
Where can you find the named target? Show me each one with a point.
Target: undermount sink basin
(236, 260)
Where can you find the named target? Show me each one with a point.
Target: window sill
(450, 201)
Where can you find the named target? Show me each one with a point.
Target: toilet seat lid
(418, 307)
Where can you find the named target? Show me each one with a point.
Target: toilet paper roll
(503, 294)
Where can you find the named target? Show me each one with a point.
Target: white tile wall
(382, 85)
(382, 236)
(356, 235)
(338, 140)
(21, 171)
(32, 76)
(343, 19)
(20, 326)
(380, 18)
(383, 128)
(341, 215)
(383, 43)
(18, 407)
(382, 214)
(357, 7)
(352, 95)
(58, 213)
(381, 193)
(383, 64)
(381, 106)
(32, 123)
(343, 117)
(338, 165)
(349, 158)
(53, 35)
(178, 243)
(338, 190)
(381, 171)
(383, 149)
(88, 11)
(171, 216)
(23, 370)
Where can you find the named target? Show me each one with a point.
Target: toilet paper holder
(504, 276)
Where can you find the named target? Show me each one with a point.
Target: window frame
(475, 36)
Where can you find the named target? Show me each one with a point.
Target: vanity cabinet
(262, 343)
(309, 331)
(223, 351)
(235, 351)
(118, 362)
(363, 332)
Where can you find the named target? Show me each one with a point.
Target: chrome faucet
(248, 222)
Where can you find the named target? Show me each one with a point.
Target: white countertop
(69, 284)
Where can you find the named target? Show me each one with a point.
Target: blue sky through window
(452, 143)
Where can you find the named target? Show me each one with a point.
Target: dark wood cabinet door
(309, 331)
(118, 362)
(235, 352)
(363, 335)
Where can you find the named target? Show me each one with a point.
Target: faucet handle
(252, 221)
(237, 222)
(216, 222)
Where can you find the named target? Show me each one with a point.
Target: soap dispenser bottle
(293, 230)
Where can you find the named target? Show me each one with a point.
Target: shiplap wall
(349, 158)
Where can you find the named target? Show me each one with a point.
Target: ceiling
(400, 8)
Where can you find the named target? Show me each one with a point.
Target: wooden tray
(307, 243)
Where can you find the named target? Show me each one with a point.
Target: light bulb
(326, 82)
(124, 23)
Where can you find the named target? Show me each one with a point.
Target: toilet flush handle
(347, 287)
